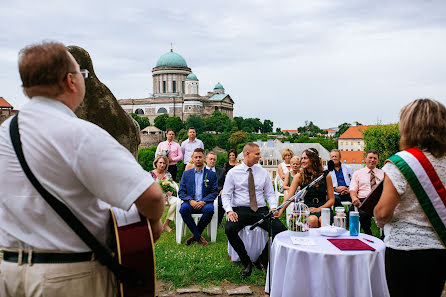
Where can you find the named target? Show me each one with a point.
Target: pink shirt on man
(360, 182)
(174, 150)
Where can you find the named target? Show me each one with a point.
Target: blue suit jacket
(187, 186)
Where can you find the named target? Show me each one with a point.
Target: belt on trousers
(48, 258)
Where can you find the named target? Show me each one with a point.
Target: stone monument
(101, 107)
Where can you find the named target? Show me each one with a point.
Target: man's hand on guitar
(157, 229)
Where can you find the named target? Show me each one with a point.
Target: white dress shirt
(210, 168)
(75, 160)
(235, 191)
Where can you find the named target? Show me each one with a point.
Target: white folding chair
(254, 241)
(181, 226)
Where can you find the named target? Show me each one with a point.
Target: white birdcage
(298, 219)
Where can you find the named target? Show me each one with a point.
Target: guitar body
(135, 248)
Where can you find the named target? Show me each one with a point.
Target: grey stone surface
(245, 290)
(213, 291)
(101, 107)
(188, 290)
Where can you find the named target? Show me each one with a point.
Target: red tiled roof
(290, 131)
(4, 103)
(352, 157)
(329, 130)
(354, 132)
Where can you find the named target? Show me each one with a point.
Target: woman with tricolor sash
(412, 207)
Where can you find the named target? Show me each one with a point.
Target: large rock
(102, 108)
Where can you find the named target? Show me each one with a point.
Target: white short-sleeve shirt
(75, 160)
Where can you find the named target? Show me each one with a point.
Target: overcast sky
(288, 61)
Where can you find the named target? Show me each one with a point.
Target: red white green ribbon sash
(426, 185)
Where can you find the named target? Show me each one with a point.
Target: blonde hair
(157, 157)
(295, 159)
(423, 125)
(287, 152)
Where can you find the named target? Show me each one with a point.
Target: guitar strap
(102, 253)
(426, 185)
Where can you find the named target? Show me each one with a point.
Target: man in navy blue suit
(198, 189)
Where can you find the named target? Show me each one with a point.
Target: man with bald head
(77, 162)
(246, 190)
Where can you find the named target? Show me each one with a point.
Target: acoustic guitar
(135, 249)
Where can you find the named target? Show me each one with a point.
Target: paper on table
(124, 218)
(302, 240)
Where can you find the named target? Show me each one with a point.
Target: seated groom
(198, 189)
(246, 190)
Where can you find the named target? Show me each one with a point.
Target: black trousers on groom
(248, 217)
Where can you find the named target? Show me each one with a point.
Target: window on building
(353, 160)
(164, 86)
(216, 107)
(341, 143)
(162, 110)
(174, 86)
(139, 111)
(182, 86)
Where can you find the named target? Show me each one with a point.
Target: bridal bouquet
(164, 152)
(167, 186)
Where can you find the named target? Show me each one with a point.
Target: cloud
(325, 61)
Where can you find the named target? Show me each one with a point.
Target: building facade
(6, 110)
(176, 93)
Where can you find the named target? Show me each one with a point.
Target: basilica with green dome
(176, 92)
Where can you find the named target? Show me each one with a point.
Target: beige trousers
(172, 208)
(82, 279)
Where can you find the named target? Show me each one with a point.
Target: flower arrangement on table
(167, 186)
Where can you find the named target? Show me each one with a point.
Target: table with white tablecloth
(324, 270)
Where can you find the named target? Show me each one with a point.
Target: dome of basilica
(219, 86)
(171, 59)
(191, 76)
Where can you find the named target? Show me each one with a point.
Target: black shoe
(259, 265)
(247, 270)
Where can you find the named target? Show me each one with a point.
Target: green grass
(182, 265)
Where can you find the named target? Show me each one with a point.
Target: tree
(208, 140)
(238, 121)
(237, 138)
(267, 126)
(342, 128)
(218, 122)
(197, 122)
(146, 157)
(160, 121)
(222, 139)
(251, 125)
(174, 123)
(142, 121)
(309, 129)
(384, 139)
(279, 131)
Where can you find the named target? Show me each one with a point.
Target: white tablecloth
(254, 240)
(323, 270)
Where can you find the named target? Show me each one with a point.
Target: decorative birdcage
(298, 219)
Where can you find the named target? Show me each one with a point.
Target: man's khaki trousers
(82, 279)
